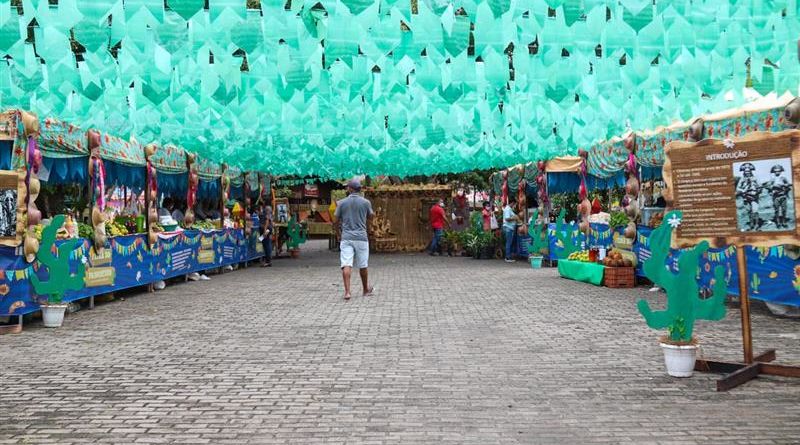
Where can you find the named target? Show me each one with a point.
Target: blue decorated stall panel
(127, 262)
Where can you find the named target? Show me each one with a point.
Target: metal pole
(744, 302)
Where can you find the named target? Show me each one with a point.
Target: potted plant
(684, 304)
(538, 244)
(452, 242)
(60, 280)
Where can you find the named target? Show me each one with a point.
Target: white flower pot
(679, 359)
(53, 315)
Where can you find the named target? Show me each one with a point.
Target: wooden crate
(619, 277)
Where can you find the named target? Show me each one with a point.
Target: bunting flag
(337, 88)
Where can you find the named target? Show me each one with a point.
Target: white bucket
(53, 315)
(679, 359)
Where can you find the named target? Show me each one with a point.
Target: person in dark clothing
(266, 235)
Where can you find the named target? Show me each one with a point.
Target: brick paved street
(450, 350)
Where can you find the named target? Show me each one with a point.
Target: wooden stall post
(744, 303)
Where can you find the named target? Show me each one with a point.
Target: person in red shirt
(487, 216)
(438, 220)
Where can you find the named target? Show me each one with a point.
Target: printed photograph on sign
(764, 195)
(8, 206)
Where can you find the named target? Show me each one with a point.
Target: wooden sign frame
(703, 178)
(13, 181)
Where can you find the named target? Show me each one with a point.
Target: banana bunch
(579, 256)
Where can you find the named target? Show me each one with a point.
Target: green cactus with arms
(684, 305)
(296, 234)
(754, 283)
(569, 243)
(60, 279)
(538, 233)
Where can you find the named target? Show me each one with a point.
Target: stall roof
(169, 159)
(564, 164)
(60, 139)
(128, 153)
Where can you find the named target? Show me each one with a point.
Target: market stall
(401, 214)
(109, 240)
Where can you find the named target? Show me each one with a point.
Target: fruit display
(203, 225)
(116, 228)
(582, 256)
(156, 227)
(617, 259)
(85, 231)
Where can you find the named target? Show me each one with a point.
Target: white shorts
(357, 249)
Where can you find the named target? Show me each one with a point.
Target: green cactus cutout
(60, 280)
(754, 283)
(569, 242)
(538, 233)
(684, 305)
(296, 234)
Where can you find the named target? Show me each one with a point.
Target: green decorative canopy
(333, 88)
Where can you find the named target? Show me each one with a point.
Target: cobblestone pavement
(449, 350)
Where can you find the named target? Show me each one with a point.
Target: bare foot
(368, 292)
(346, 297)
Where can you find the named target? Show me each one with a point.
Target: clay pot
(98, 218)
(792, 112)
(153, 215)
(188, 219)
(584, 226)
(152, 237)
(632, 187)
(34, 215)
(34, 187)
(31, 246)
(697, 130)
(630, 231)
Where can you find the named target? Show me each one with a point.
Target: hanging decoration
(151, 193)
(630, 202)
(584, 206)
(97, 175)
(191, 193)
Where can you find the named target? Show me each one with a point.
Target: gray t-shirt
(352, 212)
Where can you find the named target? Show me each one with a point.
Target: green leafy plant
(60, 280)
(684, 304)
(618, 219)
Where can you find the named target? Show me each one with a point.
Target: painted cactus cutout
(60, 279)
(538, 233)
(567, 241)
(296, 234)
(684, 304)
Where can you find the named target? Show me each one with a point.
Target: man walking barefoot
(352, 213)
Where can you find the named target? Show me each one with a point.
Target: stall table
(581, 271)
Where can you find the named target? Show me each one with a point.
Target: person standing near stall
(510, 220)
(352, 213)
(437, 219)
(267, 229)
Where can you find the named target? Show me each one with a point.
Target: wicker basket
(619, 277)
